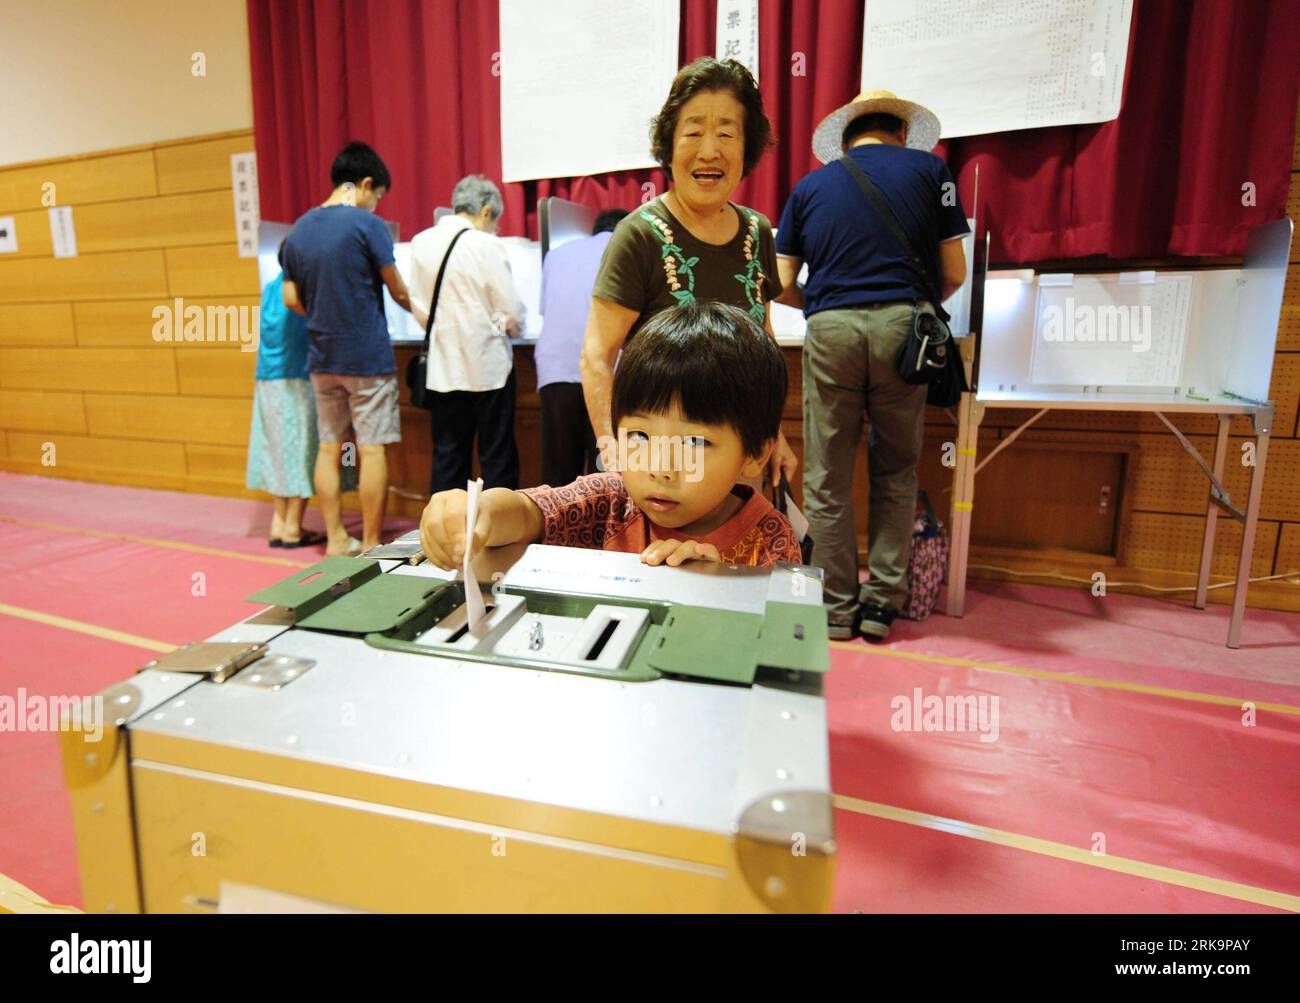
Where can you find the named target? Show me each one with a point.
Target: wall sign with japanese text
(243, 184)
(738, 32)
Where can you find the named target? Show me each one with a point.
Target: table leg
(969, 414)
(1248, 531)
(1212, 512)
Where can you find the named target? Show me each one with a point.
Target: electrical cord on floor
(1292, 578)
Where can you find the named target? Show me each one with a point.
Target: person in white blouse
(471, 366)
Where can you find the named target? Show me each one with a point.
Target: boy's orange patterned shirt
(597, 513)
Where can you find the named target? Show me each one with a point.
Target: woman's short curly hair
(709, 74)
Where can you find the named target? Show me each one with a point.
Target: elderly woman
(691, 243)
(471, 367)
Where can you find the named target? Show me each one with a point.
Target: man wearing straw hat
(862, 286)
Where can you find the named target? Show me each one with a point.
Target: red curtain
(1201, 150)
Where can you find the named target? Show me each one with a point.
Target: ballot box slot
(572, 604)
(463, 629)
(602, 640)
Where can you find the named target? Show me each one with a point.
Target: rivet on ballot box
(609, 737)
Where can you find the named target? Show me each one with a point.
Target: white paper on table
(796, 518)
(474, 608)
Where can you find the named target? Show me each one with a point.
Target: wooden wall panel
(1288, 549)
(42, 411)
(1173, 543)
(32, 231)
(211, 420)
(106, 177)
(1288, 328)
(214, 270)
(94, 453)
(217, 463)
(86, 277)
(1282, 481)
(410, 463)
(199, 166)
(140, 370)
(36, 324)
(1167, 479)
(1285, 392)
(130, 323)
(169, 221)
(173, 221)
(205, 372)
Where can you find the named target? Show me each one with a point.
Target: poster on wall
(63, 231)
(738, 32)
(989, 66)
(243, 187)
(580, 82)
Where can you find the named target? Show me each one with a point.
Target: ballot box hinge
(215, 661)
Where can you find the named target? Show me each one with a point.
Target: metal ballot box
(611, 737)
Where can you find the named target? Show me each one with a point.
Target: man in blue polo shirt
(862, 285)
(337, 259)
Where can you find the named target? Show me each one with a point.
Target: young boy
(336, 258)
(697, 405)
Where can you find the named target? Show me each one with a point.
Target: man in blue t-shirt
(859, 298)
(337, 259)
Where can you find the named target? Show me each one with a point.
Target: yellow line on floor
(94, 630)
(159, 542)
(1075, 854)
(17, 898)
(1063, 677)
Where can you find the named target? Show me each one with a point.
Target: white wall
(83, 75)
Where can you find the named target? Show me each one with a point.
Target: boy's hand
(675, 552)
(442, 528)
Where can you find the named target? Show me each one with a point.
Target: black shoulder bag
(417, 369)
(929, 355)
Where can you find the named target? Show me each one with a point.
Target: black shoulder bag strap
(885, 212)
(437, 288)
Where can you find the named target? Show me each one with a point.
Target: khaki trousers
(848, 367)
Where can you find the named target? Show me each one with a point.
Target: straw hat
(922, 125)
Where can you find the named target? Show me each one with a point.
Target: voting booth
(610, 737)
(560, 221)
(1165, 342)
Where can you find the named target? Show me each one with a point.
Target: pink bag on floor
(927, 569)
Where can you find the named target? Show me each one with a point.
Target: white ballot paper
(474, 609)
(798, 522)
